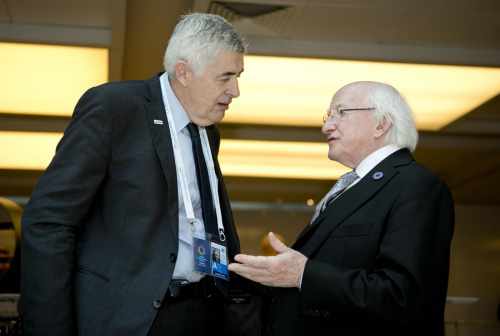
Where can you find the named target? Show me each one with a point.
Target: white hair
(390, 104)
(197, 39)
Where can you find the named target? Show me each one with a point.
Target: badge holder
(219, 262)
(210, 257)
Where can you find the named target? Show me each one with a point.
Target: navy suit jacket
(100, 233)
(378, 259)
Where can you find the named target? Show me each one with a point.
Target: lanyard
(181, 172)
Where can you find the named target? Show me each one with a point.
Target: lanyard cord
(181, 172)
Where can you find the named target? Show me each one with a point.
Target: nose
(329, 125)
(234, 89)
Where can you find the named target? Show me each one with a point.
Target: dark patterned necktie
(207, 204)
(343, 182)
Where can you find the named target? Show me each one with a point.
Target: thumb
(277, 244)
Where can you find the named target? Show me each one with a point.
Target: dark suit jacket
(378, 259)
(100, 233)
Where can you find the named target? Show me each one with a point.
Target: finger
(257, 275)
(235, 267)
(244, 269)
(255, 261)
(254, 274)
(277, 244)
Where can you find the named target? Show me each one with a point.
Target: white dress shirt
(372, 160)
(184, 266)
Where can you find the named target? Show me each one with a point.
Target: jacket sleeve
(413, 252)
(52, 218)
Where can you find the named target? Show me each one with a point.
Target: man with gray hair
(118, 232)
(375, 257)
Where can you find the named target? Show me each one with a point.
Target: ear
(382, 127)
(183, 72)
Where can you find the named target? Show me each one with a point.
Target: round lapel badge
(377, 175)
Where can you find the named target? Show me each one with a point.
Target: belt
(205, 288)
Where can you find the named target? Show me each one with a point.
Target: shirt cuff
(301, 275)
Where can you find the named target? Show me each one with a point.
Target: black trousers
(202, 309)
(189, 316)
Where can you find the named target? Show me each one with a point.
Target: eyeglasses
(341, 113)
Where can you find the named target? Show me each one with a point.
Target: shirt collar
(369, 162)
(180, 116)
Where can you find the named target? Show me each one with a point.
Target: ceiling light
(297, 91)
(275, 90)
(278, 159)
(27, 150)
(48, 79)
(248, 158)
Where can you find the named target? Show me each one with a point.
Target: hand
(283, 270)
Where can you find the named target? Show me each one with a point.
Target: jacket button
(157, 304)
(173, 258)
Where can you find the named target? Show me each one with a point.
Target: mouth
(331, 139)
(225, 106)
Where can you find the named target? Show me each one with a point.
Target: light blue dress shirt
(184, 266)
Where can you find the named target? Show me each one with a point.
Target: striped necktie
(343, 182)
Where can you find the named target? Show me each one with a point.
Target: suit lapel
(314, 234)
(158, 124)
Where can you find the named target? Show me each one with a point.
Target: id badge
(201, 252)
(218, 263)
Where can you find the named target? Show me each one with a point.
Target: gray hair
(197, 39)
(390, 104)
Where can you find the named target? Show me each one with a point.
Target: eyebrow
(230, 73)
(339, 106)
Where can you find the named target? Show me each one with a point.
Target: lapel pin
(377, 175)
(158, 122)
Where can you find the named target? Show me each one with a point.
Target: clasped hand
(283, 270)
